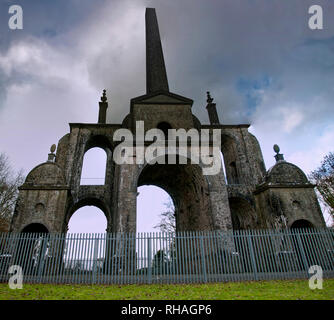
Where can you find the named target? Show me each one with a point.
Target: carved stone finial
(104, 96)
(209, 99)
(53, 148)
(103, 106)
(278, 156)
(276, 148)
(52, 156)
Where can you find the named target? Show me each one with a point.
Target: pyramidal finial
(104, 96)
(209, 99)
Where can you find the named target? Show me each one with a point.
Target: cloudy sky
(261, 62)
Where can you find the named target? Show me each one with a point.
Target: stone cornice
(225, 126)
(266, 186)
(95, 125)
(44, 187)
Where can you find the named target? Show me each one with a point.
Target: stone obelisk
(156, 75)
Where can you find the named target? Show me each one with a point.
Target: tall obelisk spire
(156, 76)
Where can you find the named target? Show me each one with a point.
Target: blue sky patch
(251, 90)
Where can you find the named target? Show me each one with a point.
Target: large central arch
(188, 189)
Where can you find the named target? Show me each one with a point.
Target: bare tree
(323, 177)
(9, 183)
(167, 256)
(167, 222)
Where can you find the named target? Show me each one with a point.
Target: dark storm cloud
(213, 46)
(259, 59)
(219, 43)
(45, 19)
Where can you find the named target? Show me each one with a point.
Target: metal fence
(184, 257)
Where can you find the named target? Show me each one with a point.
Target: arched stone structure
(52, 190)
(42, 198)
(287, 195)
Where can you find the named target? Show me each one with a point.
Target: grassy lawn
(265, 290)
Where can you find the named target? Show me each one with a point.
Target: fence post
(42, 258)
(189, 259)
(96, 246)
(14, 240)
(302, 252)
(149, 254)
(203, 260)
(252, 256)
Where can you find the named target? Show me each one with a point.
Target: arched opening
(301, 243)
(34, 247)
(302, 223)
(155, 213)
(155, 210)
(35, 228)
(242, 213)
(164, 127)
(94, 167)
(87, 219)
(189, 190)
(86, 241)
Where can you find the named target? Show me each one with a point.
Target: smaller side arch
(35, 228)
(301, 223)
(32, 247)
(88, 201)
(94, 167)
(100, 141)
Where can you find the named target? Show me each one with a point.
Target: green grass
(264, 290)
